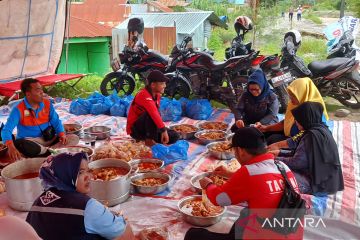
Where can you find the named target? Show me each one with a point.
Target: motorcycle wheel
(351, 92)
(123, 85)
(283, 97)
(177, 88)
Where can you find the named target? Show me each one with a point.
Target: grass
(310, 15)
(86, 86)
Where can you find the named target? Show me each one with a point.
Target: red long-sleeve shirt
(260, 184)
(144, 102)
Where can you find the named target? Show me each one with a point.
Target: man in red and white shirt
(144, 121)
(258, 182)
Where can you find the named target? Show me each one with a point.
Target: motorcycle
(336, 77)
(278, 78)
(200, 74)
(344, 48)
(137, 62)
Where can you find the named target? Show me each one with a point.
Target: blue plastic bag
(183, 101)
(102, 107)
(118, 109)
(172, 153)
(170, 109)
(199, 109)
(80, 107)
(96, 98)
(127, 100)
(114, 98)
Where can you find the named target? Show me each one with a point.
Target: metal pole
(67, 35)
(342, 8)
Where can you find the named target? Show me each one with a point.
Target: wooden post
(255, 6)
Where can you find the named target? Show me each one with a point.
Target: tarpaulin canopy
(31, 37)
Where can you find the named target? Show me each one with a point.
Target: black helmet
(136, 25)
(242, 23)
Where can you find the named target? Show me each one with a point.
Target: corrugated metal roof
(186, 22)
(108, 12)
(83, 28)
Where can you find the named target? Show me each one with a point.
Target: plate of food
(150, 183)
(217, 179)
(208, 136)
(147, 164)
(221, 150)
(196, 212)
(209, 125)
(72, 128)
(186, 131)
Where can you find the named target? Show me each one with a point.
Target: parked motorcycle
(337, 77)
(278, 78)
(200, 74)
(136, 63)
(344, 48)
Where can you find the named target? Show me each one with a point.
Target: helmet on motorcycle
(242, 23)
(296, 36)
(136, 25)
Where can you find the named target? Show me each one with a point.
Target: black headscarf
(321, 149)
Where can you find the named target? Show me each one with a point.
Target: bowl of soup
(110, 181)
(22, 182)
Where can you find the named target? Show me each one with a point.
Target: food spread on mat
(185, 128)
(212, 135)
(149, 182)
(122, 150)
(213, 126)
(221, 147)
(108, 173)
(196, 208)
(148, 166)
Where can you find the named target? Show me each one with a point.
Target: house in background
(89, 40)
(89, 48)
(185, 23)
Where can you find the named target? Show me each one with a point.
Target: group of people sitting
(302, 143)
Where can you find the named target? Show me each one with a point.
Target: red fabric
(142, 102)
(8, 89)
(258, 183)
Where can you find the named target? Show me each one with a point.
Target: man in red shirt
(144, 120)
(258, 182)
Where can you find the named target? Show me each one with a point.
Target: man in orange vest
(38, 125)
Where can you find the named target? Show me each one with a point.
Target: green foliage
(312, 49)
(86, 86)
(178, 9)
(354, 5)
(327, 5)
(312, 16)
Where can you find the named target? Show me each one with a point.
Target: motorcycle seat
(222, 65)
(159, 55)
(320, 67)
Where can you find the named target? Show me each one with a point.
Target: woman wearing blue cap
(64, 211)
(259, 104)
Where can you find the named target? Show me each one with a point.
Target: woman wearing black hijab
(315, 161)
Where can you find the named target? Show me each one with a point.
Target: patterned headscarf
(61, 171)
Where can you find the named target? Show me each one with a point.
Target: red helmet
(242, 23)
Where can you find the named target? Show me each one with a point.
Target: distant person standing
(291, 13)
(299, 13)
